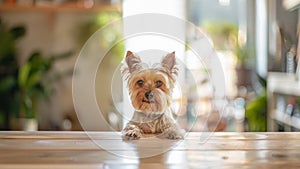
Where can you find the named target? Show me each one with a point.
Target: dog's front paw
(174, 134)
(131, 133)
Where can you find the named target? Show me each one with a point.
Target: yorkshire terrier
(150, 90)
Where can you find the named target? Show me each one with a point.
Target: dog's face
(150, 89)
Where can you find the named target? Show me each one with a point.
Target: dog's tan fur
(152, 113)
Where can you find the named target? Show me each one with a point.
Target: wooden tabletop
(107, 150)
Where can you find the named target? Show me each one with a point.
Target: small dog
(150, 92)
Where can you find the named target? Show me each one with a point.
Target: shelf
(67, 7)
(283, 83)
(286, 119)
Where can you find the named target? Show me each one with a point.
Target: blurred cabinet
(283, 102)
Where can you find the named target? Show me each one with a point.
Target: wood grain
(108, 150)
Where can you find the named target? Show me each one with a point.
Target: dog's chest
(150, 127)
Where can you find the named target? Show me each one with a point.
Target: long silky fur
(158, 122)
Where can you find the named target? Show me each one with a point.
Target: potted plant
(35, 82)
(21, 86)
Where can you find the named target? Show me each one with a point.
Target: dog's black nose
(149, 95)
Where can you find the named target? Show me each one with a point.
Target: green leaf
(256, 113)
(262, 80)
(7, 44)
(34, 78)
(35, 56)
(7, 83)
(23, 74)
(36, 61)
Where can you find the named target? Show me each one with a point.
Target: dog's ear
(133, 61)
(169, 61)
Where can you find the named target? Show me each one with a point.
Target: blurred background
(256, 42)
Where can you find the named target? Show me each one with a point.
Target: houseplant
(21, 86)
(8, 72)
(34, 82)
(256, 109)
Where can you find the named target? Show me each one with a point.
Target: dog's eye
(140, 83)
(158, 83)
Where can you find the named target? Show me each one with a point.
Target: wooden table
(107, 150)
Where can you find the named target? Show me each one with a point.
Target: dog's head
(150, 89)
